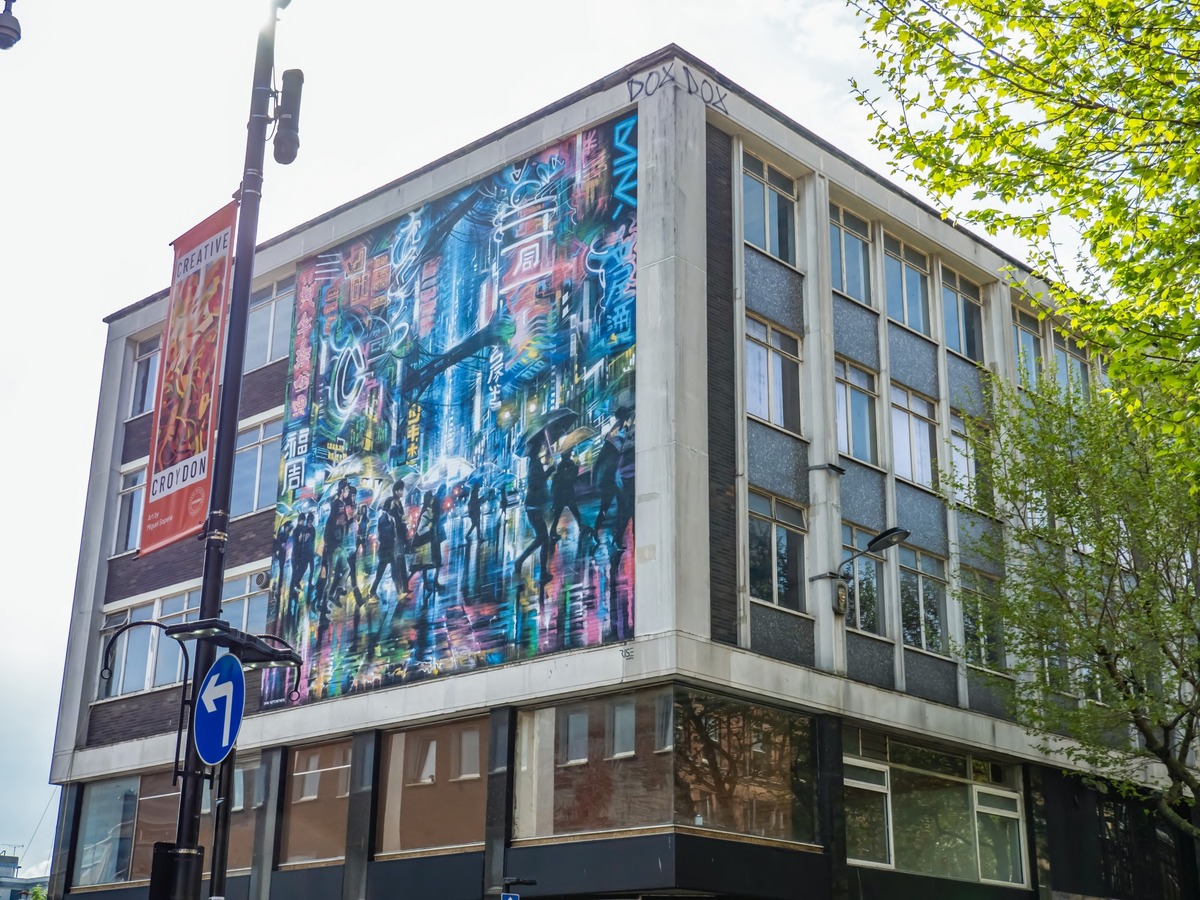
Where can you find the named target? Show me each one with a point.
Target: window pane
(893, 272)
(1000, 848)
(245, 472)
(901, 444)
(744, 769)
(858, 269)
(973, 331)
(315, 807)
(622, 726)
(782, 212)
(417, 813)
(835, 256)
(754, 202)
(281, 335)
(268, 479)
(157, 817)
(910, 608)
(925, 448)
(950, 312)
(867, 594)
(756, 380)
(789, 391)
(145, 382)
(258, 336)
(137, 660)
(789, 553)
(862, 411)
(762, 577)
(934, 831)
(866, 825)
(843, 418)
(168, 662)
(129, 521)
(104, 843)
(933, 599)
(917, 290)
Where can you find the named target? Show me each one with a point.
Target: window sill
(125, 553)
(312, 863)
(865, 304)
(572, 762)
(443, 850)
(795, 435)
(922, 335)
(979, 364)
(945, 657)
(771, 256)
(140, 415)
(928, 489)
(628, 754)
(882, 638)
(108, 886)
(461, 778)
(142, 693)
(995, 673)
(862, 462)
(792, 612)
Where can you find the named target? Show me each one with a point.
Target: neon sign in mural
(457, 476)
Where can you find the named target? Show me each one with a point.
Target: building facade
(552, 458)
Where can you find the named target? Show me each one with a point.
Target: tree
(1068, 123)
(1100, 597)
(37, 892)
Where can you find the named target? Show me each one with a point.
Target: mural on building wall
(457, 476)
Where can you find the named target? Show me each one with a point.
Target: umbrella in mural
(450, 470)
(399, 475)
(552, 425)
(361, 465)
(573, 439)
(489, 473)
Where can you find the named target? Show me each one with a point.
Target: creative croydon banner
(185, 412)
(457, 474)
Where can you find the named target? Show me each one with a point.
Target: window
(864, 577)
(1071, 367)
(769, 199)
(664, 722)
(418, 810)
(1027, 341)
(776, 552)
(772, 375)
(573, 736)
(963, 310)
(983, 629)
(269, 327)
(621, 727)
(933, 813)
(969, 466)
(316, 804)
(145, 375)
(855, 395)
(129, 511)
(906, 279)
(256, 468)
(914, 437)
(868, 813)
(850, 254)
(104, 842)
(923, 600)
(145, 658)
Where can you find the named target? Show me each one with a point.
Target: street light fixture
(10, 28)
(887, 538)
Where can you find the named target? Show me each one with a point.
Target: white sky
(123, 124)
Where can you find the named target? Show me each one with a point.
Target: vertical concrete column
(672, 368)
(501, 798)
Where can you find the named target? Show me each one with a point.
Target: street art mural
(457, 470)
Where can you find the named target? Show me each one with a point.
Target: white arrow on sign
(219, 690)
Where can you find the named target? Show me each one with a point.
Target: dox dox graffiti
(457, 476)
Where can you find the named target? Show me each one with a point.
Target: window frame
(860, 537)
(143, 390)
(619, 706)
(133, 527)
(777, 523)
(976, 646)
(255, 447)
(776, 357)
(1029, 325)
(1072, 367)
(272, 298)
(845, 390)
(912, 418)
(771, 180)
(955, 296)
(923, 577)
(905, 256)
(886, 790)
(839, 232)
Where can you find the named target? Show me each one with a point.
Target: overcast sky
(123, 124)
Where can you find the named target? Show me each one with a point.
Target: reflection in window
(246, 800)
(417, 809)
(1071, 367)
(621, 727)
(864, 577)
(1027, 339)
(963, 310)
(776, 552)
(914, 436)
(256, 468)
(573, 736)
(317, 804)
(129, 511)
(906, 277)
(868, 817)
(269, 326)
(923, 600)
(104, 842)
(145, 375)
(769, 209)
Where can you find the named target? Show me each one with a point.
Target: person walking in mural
(279, 553)
(334, 556)
(304, 541)
(537, 502)
(474, 513)
(360, 544)
(562, 491)
(426, 536)
(608, 477)
(392, 534)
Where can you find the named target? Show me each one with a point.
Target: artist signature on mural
(649, 83)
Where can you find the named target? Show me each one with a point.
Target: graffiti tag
(693, 84)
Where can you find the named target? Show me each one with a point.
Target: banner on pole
(185, 413)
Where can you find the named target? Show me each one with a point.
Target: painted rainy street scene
(457, 485)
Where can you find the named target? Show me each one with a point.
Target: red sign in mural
(185, 415)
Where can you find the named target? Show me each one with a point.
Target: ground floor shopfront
(664, 789)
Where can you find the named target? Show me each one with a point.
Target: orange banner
(185, 416)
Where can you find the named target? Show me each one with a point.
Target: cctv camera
(10, 29)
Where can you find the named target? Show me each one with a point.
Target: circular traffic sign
(220, 703)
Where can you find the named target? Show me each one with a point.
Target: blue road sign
(510, 897)
(218, 715)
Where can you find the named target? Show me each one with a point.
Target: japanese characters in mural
(457, 475)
